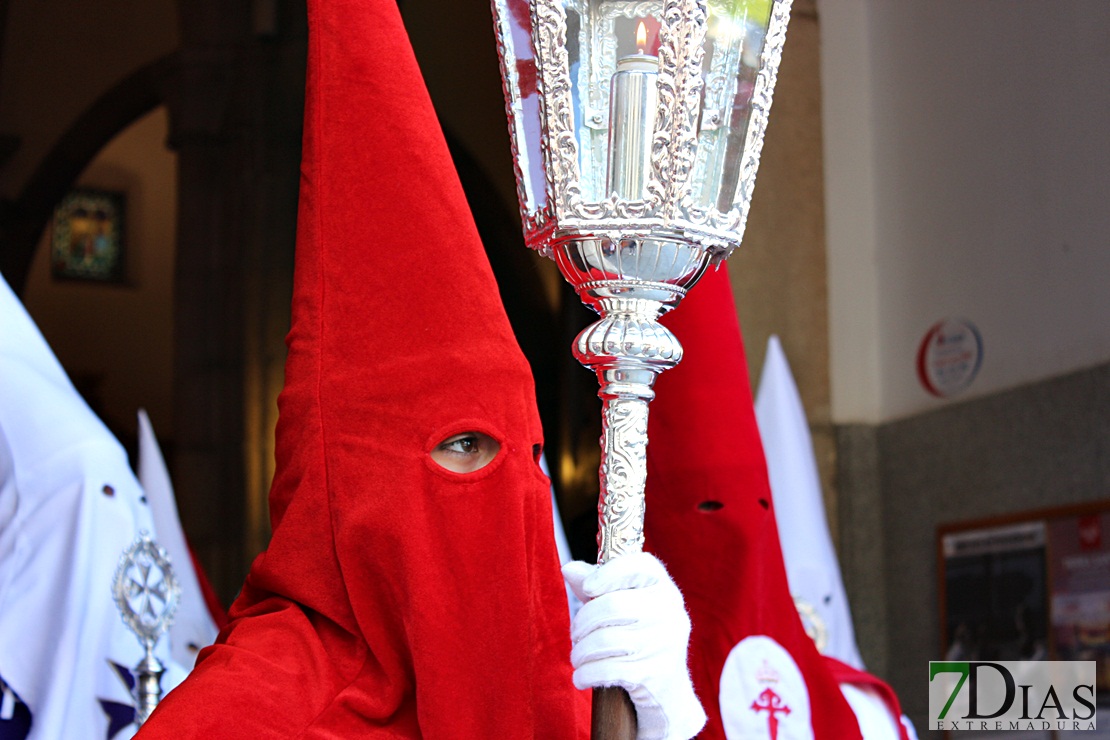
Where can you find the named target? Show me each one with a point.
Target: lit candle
(633, 100)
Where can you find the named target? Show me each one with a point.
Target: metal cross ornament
(146, 592)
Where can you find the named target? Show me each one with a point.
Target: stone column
(205, 119)
(236, 112)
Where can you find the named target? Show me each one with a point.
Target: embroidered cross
(772, 704)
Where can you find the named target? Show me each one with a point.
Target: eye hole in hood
(466, 452)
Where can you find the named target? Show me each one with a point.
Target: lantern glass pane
(733, 46)
(599, 33)
(587, 132)
(520, 71)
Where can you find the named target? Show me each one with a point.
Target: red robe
(396, 599)
(709, 519)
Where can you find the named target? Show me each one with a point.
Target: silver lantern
(636, 127)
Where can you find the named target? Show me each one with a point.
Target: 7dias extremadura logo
(1012, 695)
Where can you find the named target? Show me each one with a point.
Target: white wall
(967, 174)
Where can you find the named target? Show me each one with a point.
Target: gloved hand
(632, 632)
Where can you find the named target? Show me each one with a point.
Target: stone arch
(23, 220)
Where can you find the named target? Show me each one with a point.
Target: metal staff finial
(146, 592)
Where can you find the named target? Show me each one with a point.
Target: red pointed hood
(394, 594)
(709, 518)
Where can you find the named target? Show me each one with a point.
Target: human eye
(466, 452)
(463, 444)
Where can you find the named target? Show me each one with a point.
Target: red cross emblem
(773, 705)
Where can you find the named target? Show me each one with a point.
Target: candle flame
(641, 38)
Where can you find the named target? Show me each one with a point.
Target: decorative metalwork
(685, 133)
(630, 283)
(632, 252)
(623, 475)
(627, 349)
(146, 592)
(674, 145)
(813, 624)
(559, 145)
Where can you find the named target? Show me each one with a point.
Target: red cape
(709, 516)
(396, 599)
(844, 673)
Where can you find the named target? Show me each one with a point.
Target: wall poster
(1029, 586)
(86, 241)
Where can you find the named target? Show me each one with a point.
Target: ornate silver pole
(627, 349)
(636, 127)
(146, 593)
(631, 282)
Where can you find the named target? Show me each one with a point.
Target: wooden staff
(614, 715)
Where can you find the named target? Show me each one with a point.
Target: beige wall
(122, 333)
(967, 170)
(779, 274)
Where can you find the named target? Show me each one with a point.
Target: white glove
(632, 632)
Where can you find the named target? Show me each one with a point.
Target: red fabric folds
(709, 516)
(396, 599)
(846, 674)
(211, 600)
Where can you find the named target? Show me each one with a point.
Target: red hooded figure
(709, 518)
(397, 598)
